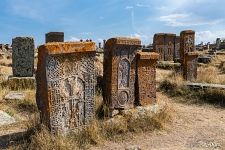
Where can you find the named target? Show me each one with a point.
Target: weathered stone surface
(146, 77)
(6, 119)
(54, 37)
(119, 72)
(190, 66)
(65, 84)
(164, 44)
(187, 43)
(177, 48)
(23, 56)
(14, 95)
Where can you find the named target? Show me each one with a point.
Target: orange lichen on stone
(67, 47)
(148, 55)
(123, 41)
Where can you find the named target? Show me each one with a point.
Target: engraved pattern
(71, 84)
(123, 74)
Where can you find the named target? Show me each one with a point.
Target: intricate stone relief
(123, 74)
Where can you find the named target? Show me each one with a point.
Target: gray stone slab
(13, 95)
(205, 85)
(6, 119)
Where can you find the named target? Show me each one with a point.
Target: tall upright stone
(177, 48)
(54, 37)
(158, 45)
(146, 78)
(188, 55)
(65, 84)
(23, 56)
(187, 43)
(190, 66)
(119, 72)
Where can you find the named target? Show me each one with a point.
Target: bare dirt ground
(192, 127)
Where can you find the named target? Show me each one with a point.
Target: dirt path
(193, 127)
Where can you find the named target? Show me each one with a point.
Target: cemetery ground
(190, 119)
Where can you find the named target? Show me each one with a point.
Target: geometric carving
(190, 66)
(23, 56)
(123, 74)
(119, 72)
(146, 77)
(164, 44)
(65, 95)
(187, 43)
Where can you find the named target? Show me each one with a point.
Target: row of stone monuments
(65, 76)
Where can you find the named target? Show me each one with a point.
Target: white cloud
(73, 38)
(184, 20)
(144, 38)
(209, 36)
(129, 7)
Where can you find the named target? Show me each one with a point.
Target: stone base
(18, 83)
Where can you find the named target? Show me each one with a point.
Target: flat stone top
(148, 55)
(123, 41)
(67, 47)
(23, 38)
(192, 54)
(55, 33)
(187, 32)
(165, 34)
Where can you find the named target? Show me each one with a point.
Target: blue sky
(102, 19)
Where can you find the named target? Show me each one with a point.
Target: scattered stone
(6, 119)
(14, 95)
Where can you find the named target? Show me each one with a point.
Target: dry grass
(210, 74)
(97, 132)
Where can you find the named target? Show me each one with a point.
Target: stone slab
(6, 119)
(14, 95)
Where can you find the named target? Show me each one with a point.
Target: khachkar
(54, 37)
(65, 84)
(164, 44)
(187, 43)
(187, 55)
(190, 66)
(23, 56)
(146, 78)
(119, 72)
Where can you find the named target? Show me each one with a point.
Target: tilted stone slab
(14, 95)
(65, 84)
(6, 119)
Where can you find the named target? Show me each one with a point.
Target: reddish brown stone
(190, 66)
(177, 48)
(164, 44)
(65, 84)
(187, 43)
(146, 77)
(119, 72)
